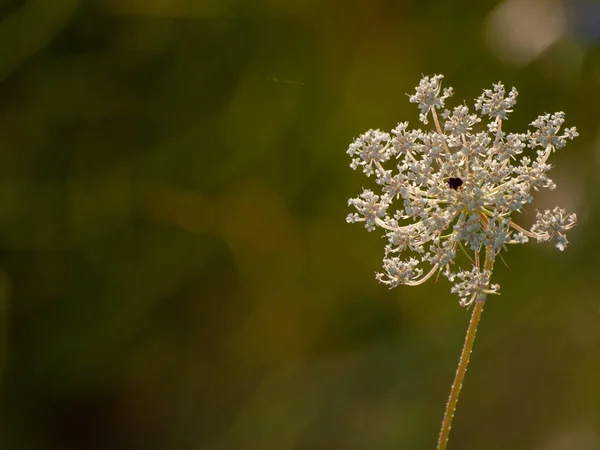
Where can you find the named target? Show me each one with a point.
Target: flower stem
(460, 374)
(463, 361)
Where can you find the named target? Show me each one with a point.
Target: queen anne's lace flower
(455, 188)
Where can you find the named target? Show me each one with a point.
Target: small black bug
(455, 183)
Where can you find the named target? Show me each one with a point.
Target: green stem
(463, 362)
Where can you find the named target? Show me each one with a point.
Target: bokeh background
(175, 267)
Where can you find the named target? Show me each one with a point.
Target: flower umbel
(455, 188)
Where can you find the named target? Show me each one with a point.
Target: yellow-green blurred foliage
(175, 268)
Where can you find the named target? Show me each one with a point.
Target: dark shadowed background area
(176, 272)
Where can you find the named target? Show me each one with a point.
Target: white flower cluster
(456, 187)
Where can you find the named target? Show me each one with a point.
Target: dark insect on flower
(455, 183)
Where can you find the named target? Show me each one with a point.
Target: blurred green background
(175, 267)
